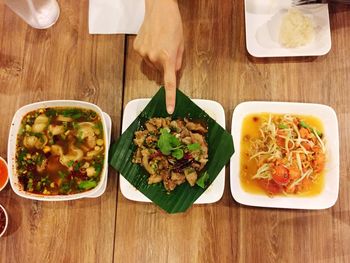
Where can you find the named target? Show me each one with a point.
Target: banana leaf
(220, 146)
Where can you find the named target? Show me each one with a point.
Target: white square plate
(215, 190)
(328, 117)
(262, 22)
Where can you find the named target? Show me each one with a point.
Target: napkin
(116, 16)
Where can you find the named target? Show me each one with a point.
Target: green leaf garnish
(70, 163)
(307, 126)
(167, 142)
(304, 125)
(50, 112)
(62, 175)
(39, 159)
(282, 126)
(76, 125)
(203, 180)
(178, 153)
(66, 187)
(193, 147)
(99, 126)
(76, 166)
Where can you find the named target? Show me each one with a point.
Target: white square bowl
(215, 190)
(328, 117)
(262, 24)
(12, 142)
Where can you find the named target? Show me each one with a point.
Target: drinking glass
(39, 14)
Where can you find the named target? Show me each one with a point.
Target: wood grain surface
(65, 62)
(218, 67)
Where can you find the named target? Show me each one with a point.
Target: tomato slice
(281, 175)
(270, 186)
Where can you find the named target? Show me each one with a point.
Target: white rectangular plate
(262, 23)
(214, 110)
(328, 117)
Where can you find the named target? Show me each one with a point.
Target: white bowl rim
(6, 221)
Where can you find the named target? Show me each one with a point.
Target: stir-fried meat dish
(172, 151)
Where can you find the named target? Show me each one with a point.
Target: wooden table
(65, 62)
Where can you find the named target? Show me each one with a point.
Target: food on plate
(60, 150)
(296, 29)
(3, 173)
(282, 154)
(172, 151)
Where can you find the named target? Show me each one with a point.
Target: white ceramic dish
(109, 132)
(262, 23)
(11, 153)
(6, 221)
(215, 190)
(327, 115)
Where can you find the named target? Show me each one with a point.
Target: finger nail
(170, 109)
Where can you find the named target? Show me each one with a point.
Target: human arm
(160, 42)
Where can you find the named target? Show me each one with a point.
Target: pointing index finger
(170, 85)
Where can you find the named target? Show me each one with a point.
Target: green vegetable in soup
(62, 175)
(50, 112)
(86, 185)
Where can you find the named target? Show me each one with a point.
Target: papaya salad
(289, 154)
(172, 152)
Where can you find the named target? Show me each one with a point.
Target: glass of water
(39, 14)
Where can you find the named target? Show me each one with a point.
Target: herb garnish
(169, 144)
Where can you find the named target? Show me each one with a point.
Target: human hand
(160, 42)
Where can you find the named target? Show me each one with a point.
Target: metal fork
(304, 2)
